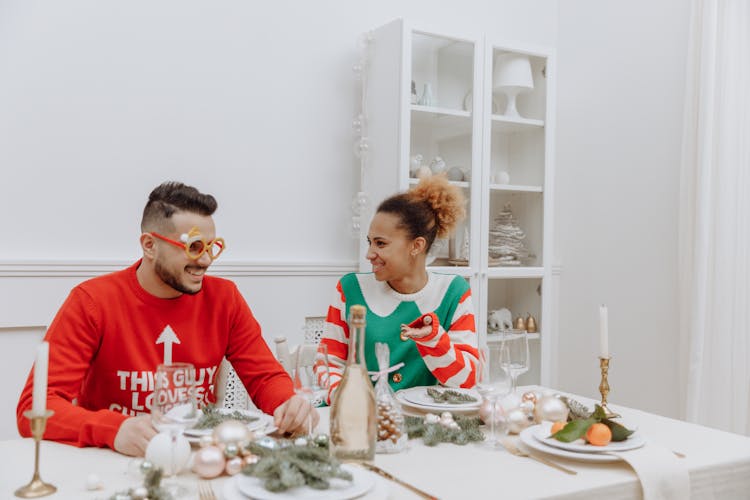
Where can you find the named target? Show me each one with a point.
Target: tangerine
(557, 426)
(599, 434)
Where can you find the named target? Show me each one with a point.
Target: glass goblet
(494, 383)
(517, 361)
(310, 376)
(174, 409)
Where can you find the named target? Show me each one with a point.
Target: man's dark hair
(170, 197)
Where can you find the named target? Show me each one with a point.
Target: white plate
(418, 396)
(527, 438)
(421, 409)
(542, 433)
(252, 487)
(262, 424)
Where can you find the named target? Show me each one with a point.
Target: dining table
(717, 464)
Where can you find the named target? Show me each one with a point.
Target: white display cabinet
(500, 161)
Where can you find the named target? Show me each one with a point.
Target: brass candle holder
(604, 387)
(36, 487)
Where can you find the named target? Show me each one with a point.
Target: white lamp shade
(512, 76)
(512, 70)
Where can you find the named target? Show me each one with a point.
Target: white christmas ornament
(437, 165)
(94, 482)
(551, 408)
(159, 452)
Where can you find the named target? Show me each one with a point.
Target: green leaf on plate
(574, 430)
(619, 431)
(599, 413)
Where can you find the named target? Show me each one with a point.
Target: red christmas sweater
(109, 336)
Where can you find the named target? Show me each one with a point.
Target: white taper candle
(603, 332)
(39, 404)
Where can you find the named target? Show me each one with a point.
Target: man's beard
(172, 280)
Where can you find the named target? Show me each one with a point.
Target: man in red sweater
(112, 331)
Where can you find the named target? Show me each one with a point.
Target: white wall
(101, 101)
(253, 102)
(621, 70)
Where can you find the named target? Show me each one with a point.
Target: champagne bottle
(353, 419)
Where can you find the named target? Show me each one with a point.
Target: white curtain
(715, 218)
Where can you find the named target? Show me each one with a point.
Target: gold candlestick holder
(604, 387)
(36, 487)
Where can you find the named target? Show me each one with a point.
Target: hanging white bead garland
(361, 202)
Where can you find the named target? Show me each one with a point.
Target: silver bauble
(139, 493)
(518, 420)
(551, 409)
(232, 432)
(431, 418)
(231, 450)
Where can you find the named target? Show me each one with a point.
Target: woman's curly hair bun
(446, 200)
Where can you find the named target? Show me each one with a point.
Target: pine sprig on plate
(449, 396)
(294, 466)
(213, 416)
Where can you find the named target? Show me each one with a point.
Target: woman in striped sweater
(426, 318)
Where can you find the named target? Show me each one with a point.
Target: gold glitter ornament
(527, 407)
(529, 396)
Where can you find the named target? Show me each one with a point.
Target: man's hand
(134, 435)
(292, 415)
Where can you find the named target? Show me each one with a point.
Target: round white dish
(542, 433)
(242, 487)
(263, 423)
(527, 438)
(418, 396)
(421, 410)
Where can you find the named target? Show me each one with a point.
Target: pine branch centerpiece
(446, 428)
(151, 488)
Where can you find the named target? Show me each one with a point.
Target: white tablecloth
(718, 464)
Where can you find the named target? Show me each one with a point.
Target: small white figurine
(500, 320)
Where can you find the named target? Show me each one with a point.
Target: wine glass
(517, 345)
(494, 382)
(311, 378)
(174, 409)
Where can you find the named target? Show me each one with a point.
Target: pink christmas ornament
(209, 462)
